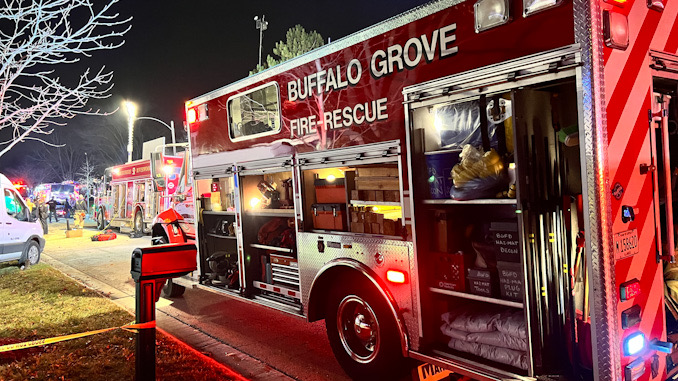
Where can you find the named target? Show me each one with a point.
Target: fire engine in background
(128, 197)
(62, 192)
(482, 186)
(22, 188)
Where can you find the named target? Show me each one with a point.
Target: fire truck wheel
(172, 290)
(101, 221)
(362, 332)
(31, 255)
(138, 223)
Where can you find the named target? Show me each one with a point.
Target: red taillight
(192, 115)
(395, 276)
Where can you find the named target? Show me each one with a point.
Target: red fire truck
(482, 186)
(128, 197)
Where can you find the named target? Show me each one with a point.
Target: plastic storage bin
(504, 236)
(510, 280)
(480, 282)
(440, 164)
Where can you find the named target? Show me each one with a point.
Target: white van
(20, 231)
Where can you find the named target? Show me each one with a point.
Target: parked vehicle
(482, 186)
(21, 236)
(62, 192)
(128, 198)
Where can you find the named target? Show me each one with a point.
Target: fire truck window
(254, 113)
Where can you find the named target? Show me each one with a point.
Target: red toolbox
(329, 216)
(330, 192)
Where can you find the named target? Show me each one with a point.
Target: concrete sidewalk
(122, 293)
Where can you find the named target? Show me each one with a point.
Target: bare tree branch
(36, 34)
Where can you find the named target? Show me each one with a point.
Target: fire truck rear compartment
(498, 270)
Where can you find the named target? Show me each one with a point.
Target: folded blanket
(471, 321)
(509, 322)
(512, 323)
(502, 355)
(495, 338)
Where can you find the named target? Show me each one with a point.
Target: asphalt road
(258, 342)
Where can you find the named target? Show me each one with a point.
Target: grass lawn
(41, 302)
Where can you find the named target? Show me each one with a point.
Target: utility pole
(262, 25)
(87, 169)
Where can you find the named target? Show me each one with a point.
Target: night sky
(177, 50)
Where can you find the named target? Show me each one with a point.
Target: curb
(247, 366)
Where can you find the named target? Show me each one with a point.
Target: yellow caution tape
(51, 340)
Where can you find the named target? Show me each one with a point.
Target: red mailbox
(151, 267)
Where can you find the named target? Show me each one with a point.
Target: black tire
(101, 220)
(172, 290)
(372, 350)
(31, 255)
(138, 223)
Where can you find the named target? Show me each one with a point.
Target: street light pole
(87, 180)
(262, 25)
(131, 113)
(170, 126)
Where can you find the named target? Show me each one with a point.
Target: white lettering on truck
(394, 58)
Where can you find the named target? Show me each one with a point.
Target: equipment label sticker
(625, 244)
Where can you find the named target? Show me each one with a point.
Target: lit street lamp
(131, 114)
(262, 25)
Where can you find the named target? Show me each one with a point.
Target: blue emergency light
(634, 344)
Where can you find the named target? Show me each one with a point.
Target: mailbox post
(150, 269)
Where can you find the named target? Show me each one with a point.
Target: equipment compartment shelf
(221, 236)
(380, 203)
(271, 212)
(351, 234)
(272, 248)
(480, 298)
(482, 201)
(219, 213)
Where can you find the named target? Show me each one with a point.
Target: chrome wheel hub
(358, 329)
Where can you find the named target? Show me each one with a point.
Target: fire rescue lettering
(367, 112)
(382, 63)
